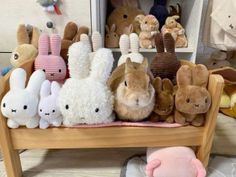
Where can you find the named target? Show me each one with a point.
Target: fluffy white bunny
(132, 42)
(85, 97)
(20, 104)
(48, 108)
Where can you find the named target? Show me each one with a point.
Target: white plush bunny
(48, 109)
(132, 42)
(85, 97)
(20, 104)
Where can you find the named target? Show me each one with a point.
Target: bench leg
(203, 154)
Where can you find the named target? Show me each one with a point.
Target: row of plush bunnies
(94, 95)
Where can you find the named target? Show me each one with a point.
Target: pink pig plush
(52, 64)
(173, 162)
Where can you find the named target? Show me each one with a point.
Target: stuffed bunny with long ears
(85, 97)
(48, 108)
(20, 104)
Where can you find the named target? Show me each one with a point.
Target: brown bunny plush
(165, 64)
(163, 110)
(71, 35)
(192, 98)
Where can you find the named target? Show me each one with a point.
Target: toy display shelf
(107, 137)
(191, 21)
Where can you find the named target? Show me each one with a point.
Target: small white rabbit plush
(85, 97)
(132, 42)
(48, 108)
(20, 104)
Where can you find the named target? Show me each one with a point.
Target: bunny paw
(170, 119)
(12, 124)
(43, 124)
(198, 121)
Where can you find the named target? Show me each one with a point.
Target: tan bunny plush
(176, 30)
(112, 38)
(192, 99)
(149, 26)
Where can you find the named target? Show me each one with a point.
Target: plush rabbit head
(148, 23)
(175, 10)
(52, 64)
(85, 97)
(165, 63)
(20, 103)
(164, 96)
(48, 105)
(26, 46)
(192, 96)
(112, 38)
(171, 22)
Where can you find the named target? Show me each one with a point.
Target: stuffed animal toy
(50, 5)
(160, 11)
(131, 41)
(149, 26)
(192, 99)
(112, 38)
(71, 35)
(165, 63)
(175, 10)
(134, 93)
(164, 106)
(176, 30)
(48, 108)
(20, 104)
(173, 162)
(52, 64)
(123, 15)
(85, 97)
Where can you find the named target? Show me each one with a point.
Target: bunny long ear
(144, 64)
(35, 81)
(35, 37)
(22, 35)
(107, 29)
(96, 41)
(102, 65)
(167, 86)
(55, 88)
(134, 43)
(159, 43)
(124, 44)
(169, 43)
(43, 44)
(184, 76)
(78, 60)
(157, 85)
(17, 79)
(200, 75)
(81, 30)
(70, 31)
(55, 43)
(85, 39)
(45, 89)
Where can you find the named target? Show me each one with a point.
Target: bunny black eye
(44, 70)
(125, 16)
(229, 16)
(25, 107)
(214, 63)
(4, 105)
(97, 109)
(187, 100)
(16, 56)
(145, 22)
(67, 106)
(53, 110)
(125, 83)
(40, 110)
(206, 100)
(59, 70)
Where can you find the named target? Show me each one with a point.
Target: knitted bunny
(85, 97)
(20, 104)
(52, 64)
(48, 105)
(131, 41)
(112, 38)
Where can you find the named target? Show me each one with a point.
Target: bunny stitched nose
(52, 74)
(197, 105)
(13, 110)
(47, 114)
(137, 101)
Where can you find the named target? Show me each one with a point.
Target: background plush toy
(20, 104)
(165, 63)
(48, 108)
(149, 26)
(176, 30)
(164, 102)
(124, 14)
(85, 97)
(50, 5)
(71, 35)
(131, 41)
(192, 98)
(160, 11)
(134, 95)
(173, 162)
(112, 38)
(175, 10)
(52, 64)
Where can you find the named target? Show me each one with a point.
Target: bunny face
(171, 21)
(53, 65)
(148, 23)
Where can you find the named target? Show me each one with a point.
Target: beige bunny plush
(176, 30)
(112, 38)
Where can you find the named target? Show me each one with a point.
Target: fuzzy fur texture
(85, 97)
(20, 104)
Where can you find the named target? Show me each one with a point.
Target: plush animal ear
(200, 75)
(124, 44)
(43, 44)
(35, 37)
(102, 65)
(134, 42)
(22, 35)
(117, 3)
(157, 84)
(55, 43)
(35, 81)
(159, 43)
(96, 41)
(184, 76)
(128, 30)
(113, 28)
(167, 86)
(17, 79)
(176, 17)
(169, 43)
(55, 88)
(81, 30)
(130, 3)
(84, 38)
(107, 29)
(70, 31)
(128, 65)
(144, 64)
(45, 88)
(139, 18)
